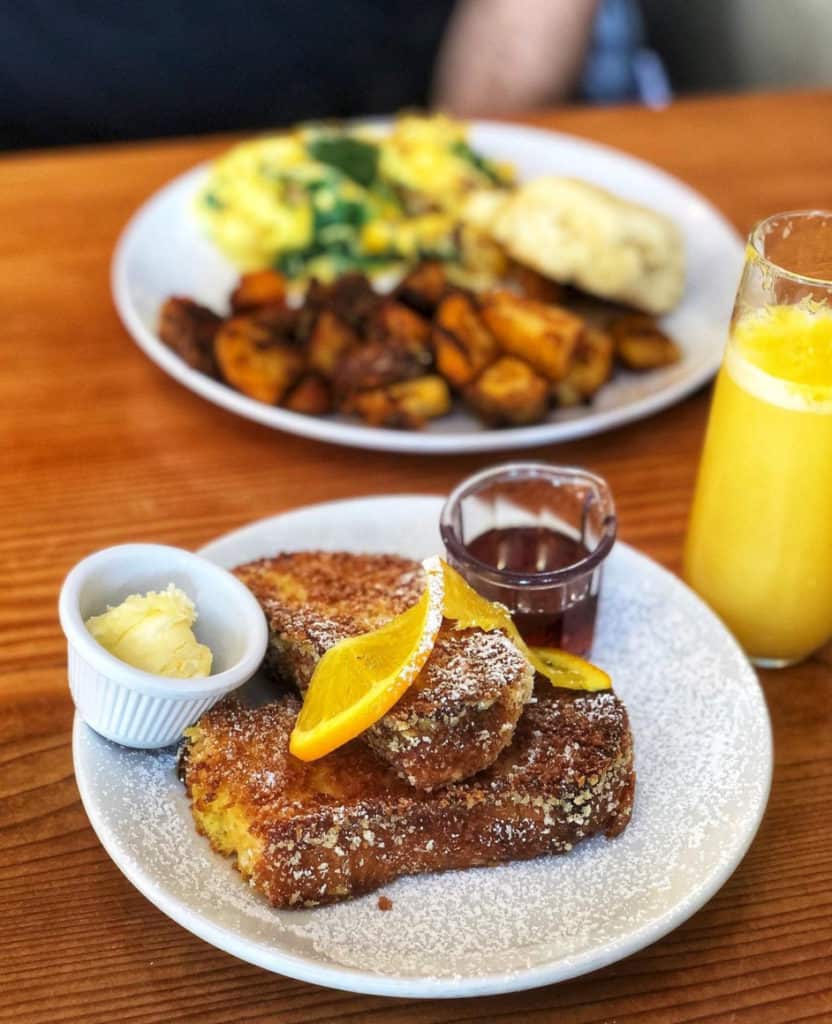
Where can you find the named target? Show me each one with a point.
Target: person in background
(620, 66)
(504, 56)
(77, 71)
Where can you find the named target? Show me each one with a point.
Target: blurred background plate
(163, 252)
(703, 761)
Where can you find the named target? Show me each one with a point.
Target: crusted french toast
(312, 833)
(461, 711)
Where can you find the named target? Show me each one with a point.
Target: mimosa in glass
(759, 547)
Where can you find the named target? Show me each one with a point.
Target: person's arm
(499, 56)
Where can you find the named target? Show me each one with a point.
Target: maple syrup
(534, 537)
(539, 549)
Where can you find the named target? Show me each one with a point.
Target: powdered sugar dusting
(702, 757)
(435, 584)
(479, 667)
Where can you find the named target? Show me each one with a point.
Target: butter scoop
(153, 632)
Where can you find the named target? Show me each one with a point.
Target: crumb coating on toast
(311, 833)
(461, 711)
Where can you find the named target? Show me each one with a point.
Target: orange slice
(358, 680)
(564, 669)
(469, 608)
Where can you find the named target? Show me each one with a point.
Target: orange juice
(759, 547)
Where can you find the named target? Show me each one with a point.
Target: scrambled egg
(321, 200)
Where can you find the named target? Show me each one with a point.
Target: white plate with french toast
(164, 252)
(703, 762)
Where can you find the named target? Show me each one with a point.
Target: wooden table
(99, 447)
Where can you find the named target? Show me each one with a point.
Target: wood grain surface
(100, 447)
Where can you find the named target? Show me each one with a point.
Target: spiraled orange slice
(359, 679)
(469, 608)
(564, 669)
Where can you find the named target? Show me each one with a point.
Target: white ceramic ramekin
(140, 709)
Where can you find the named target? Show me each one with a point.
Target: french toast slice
(313, 599)
(462, 709)
(310, 833)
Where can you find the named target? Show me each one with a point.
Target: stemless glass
(534, 537)
(759, 546)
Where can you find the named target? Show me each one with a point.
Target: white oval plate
(162, 252)
(703, 760)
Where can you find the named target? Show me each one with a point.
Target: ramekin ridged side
(122, 714)
(138, 708)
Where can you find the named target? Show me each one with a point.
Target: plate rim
(351, 979)
(413, 442)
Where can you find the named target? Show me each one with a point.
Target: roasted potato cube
(407, 405)
(394, 322)
(259, 288)
(422, 289)
(451, 359)
(462, 343)
(591, 368)
(533, 285)
(593, 309)
(640, 344)
(189, 329)
(311, 395)
(424, 398)
(544, 336)
(375, 407)
(278, 321)
(508, 392)
(351, 297)
(377, 364)
(331, 337)
(253, 362)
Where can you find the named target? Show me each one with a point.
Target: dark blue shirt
(74, 71)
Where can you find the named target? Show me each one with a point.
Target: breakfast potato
(347, 347)
(452, 360)
(331, 337)
(591, 368)
(423, 288)
(509, 392)
(392, 321)
(351, 297)
(251, 360)
(463, 345)
(311, 395)
(279, 322)
(259, 288)
(406, 405)
(189, 329)
(533, 285)
(543, 336)
(640, 344)
(375, 364)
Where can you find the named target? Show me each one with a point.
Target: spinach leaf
(353, 157)
(461, 149)
(342, 211)
(387, 193)
(292, 262)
